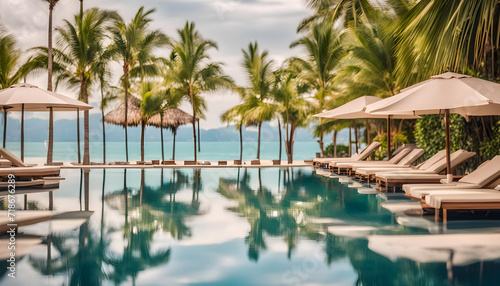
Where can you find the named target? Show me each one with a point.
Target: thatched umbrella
(170, 118)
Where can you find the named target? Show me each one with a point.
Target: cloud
(231, 23)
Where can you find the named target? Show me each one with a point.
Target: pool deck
(180, 165)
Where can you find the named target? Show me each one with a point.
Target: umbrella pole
(368, 135)
(388, 137)
(22, 132)
(448, 163)
(4, 126)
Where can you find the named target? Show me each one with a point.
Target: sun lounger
(222, 163)
(325, 162)
(332, 164)
(276, 162)
(344, 167)
(237, 162)
(483, 177)
(168, 162)
(29, 172)
(189, 163)
(394, 179)
(409, 157)
(460, 199)
(255, 162)
(367, 173)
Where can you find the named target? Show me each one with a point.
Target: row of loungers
(427, 182)
(188, 163)
(479, 190)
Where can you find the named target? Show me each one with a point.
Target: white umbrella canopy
(37, 99)
(461, 94)
(445, 93)
(27, 97)
(356, 109)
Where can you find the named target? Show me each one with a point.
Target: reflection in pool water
(239, 227)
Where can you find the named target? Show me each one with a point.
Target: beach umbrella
(172, 118)
(26, 97)
(356, 109)
(445, 93)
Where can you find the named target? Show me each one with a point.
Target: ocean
(210, 151)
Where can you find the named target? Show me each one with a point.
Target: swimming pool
(243, 227)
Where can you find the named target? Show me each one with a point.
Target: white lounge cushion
(466, 196)
(424, 191)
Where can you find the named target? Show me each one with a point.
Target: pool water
(237, 227)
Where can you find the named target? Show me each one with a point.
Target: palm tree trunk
(125, 125)
(241, 141)
(258, 141)
(49, 50)
(199, 143)
(81, 8)
(86, 137)
(279, 132)
(173, 147)
(194, 121)
(51, 136)
(292, 136)
(78, 134)
(103, 138)
(161, 139)
(143, 127)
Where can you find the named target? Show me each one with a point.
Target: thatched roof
(117, 115)
(172, 118)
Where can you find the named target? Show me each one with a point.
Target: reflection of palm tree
(84, 266)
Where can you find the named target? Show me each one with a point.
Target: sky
(233, 24)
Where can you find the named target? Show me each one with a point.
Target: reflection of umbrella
(448, 92)
(27, 97)
(356, 109)
(172, 118)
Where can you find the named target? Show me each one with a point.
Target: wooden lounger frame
(445, 206)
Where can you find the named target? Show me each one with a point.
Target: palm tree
(370, 70)
(288, 91)
(12, 70)
(191, 72)
(235, 115)
(132, 46)
(52, 4)
(324, 51)
(447, 35)
(350, 12)
(78, 56)
(259, 72)
(150, 105)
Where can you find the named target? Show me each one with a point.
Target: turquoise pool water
(239, 227)
(212, 151)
